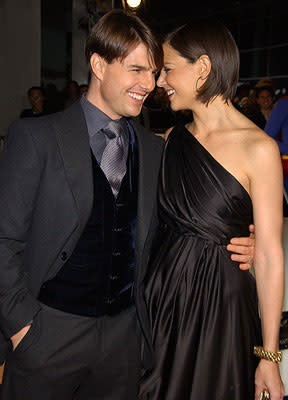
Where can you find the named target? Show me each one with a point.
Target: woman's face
(178, 77)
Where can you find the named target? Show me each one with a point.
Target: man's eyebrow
(141, 67)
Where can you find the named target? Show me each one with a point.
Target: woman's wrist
(265, 354)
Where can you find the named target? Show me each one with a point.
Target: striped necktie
(113, 162)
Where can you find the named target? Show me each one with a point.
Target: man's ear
(98, 65)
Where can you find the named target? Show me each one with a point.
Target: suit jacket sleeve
(20, 172)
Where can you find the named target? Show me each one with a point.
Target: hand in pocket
(17, 338)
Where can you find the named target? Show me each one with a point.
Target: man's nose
(149, 82)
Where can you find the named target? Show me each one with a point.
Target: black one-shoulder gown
(203, 309)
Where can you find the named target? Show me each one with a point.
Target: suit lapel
(73, 140)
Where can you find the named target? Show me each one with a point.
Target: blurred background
(42, 45)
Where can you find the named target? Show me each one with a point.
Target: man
(78, 198)
(36, 98)
(261, 110)
(72, 93)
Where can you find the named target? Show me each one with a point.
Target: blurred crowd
(268, 109)
(258, 101)
(48, 99)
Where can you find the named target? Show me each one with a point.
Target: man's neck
(94, 97)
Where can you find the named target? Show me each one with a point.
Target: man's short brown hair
(117, 33)
(211, 38)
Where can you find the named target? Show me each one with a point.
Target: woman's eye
(166, 69)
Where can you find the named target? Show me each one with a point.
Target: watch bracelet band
(274, 356)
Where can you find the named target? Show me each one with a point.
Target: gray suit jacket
(46, 198)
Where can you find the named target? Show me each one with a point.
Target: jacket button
(63, 256)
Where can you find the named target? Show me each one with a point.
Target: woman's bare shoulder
(252, 144)
(261, 151)
(255, 139)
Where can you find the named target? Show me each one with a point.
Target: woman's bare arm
(266, 188)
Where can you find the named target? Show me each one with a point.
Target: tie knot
(113, 129)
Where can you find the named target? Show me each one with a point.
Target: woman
(217, 172)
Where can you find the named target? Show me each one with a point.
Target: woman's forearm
(269, 272)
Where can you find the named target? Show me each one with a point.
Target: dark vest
(98, 278)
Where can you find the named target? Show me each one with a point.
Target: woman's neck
(217, 115)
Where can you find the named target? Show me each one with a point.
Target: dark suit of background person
(53, 197)
(277, 128)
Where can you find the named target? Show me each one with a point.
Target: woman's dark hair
(211, 38)
(117, 33)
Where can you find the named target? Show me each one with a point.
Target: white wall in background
(79, 65)
(20, 55)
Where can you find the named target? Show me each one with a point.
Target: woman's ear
(204, 65)
(98, 65)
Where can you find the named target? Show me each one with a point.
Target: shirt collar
(95, 117)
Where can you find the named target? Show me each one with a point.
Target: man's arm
(20, 171)
(242, 249)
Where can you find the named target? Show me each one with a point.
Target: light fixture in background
(133, 4)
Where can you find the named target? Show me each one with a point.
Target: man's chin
(133, 113)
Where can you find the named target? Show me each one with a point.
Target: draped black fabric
(203, 309)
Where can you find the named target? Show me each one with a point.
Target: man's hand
(16, 339)
(243, 249)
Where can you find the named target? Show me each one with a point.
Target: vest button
(113, 277)
(118, 229)
(116, 254)
(110, 301)
(63, 256)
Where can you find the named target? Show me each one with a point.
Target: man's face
(36, 97)
(265, 100)
(124, 85)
